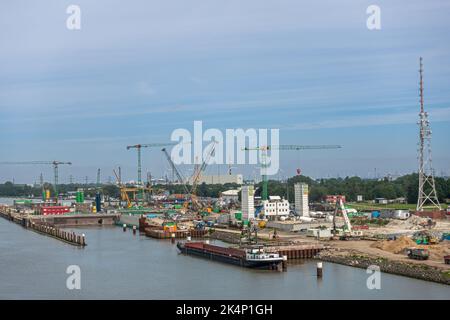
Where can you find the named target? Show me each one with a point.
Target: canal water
(118, 265)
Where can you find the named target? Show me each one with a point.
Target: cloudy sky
(137, 70)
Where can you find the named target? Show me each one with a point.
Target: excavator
(346, 232)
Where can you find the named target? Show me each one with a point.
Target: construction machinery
(54, 163)
(175, 170)
(425, 238)
(417, 254)
(138, 147)
(292, 147)
(347, 232)
(129, 194)
(196, 178)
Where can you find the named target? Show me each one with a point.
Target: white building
(301, 194)
(248, 203)
(275, 207)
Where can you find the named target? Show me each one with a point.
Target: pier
(52, 225)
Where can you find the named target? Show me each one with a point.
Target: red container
(54, 210)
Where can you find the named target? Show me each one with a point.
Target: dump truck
(417, 254)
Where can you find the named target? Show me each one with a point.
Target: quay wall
(229, 237)
(80, 220)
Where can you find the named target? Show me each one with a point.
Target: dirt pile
(394, 246)
(438, 251)
(399, 246)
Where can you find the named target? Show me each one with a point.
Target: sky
(138, 70)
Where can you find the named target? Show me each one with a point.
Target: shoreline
(410, 270)
(358, 259)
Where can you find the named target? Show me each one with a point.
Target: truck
(417, 254)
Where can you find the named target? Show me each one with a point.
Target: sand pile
(395, 246)
(438, 251)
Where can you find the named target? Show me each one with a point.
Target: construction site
(412, 242)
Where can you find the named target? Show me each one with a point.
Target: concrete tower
(248, 203)
(301, 199)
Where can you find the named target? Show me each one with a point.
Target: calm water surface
(118, 265)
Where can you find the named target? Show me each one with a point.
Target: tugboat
(253, 257)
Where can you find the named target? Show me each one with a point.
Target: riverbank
(407, 269)
(359, 254)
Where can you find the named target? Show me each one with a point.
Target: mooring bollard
(134, 230)
(284, 263)
(124, 227)
(83, 240)
(173, 237)
(319, 269)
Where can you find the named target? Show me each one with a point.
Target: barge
(254, 257)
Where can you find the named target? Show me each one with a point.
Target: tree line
(405, 186)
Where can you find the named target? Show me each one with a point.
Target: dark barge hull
(238, 261)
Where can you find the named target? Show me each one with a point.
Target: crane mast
(138, 147)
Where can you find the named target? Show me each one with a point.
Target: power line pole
(427, 187)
